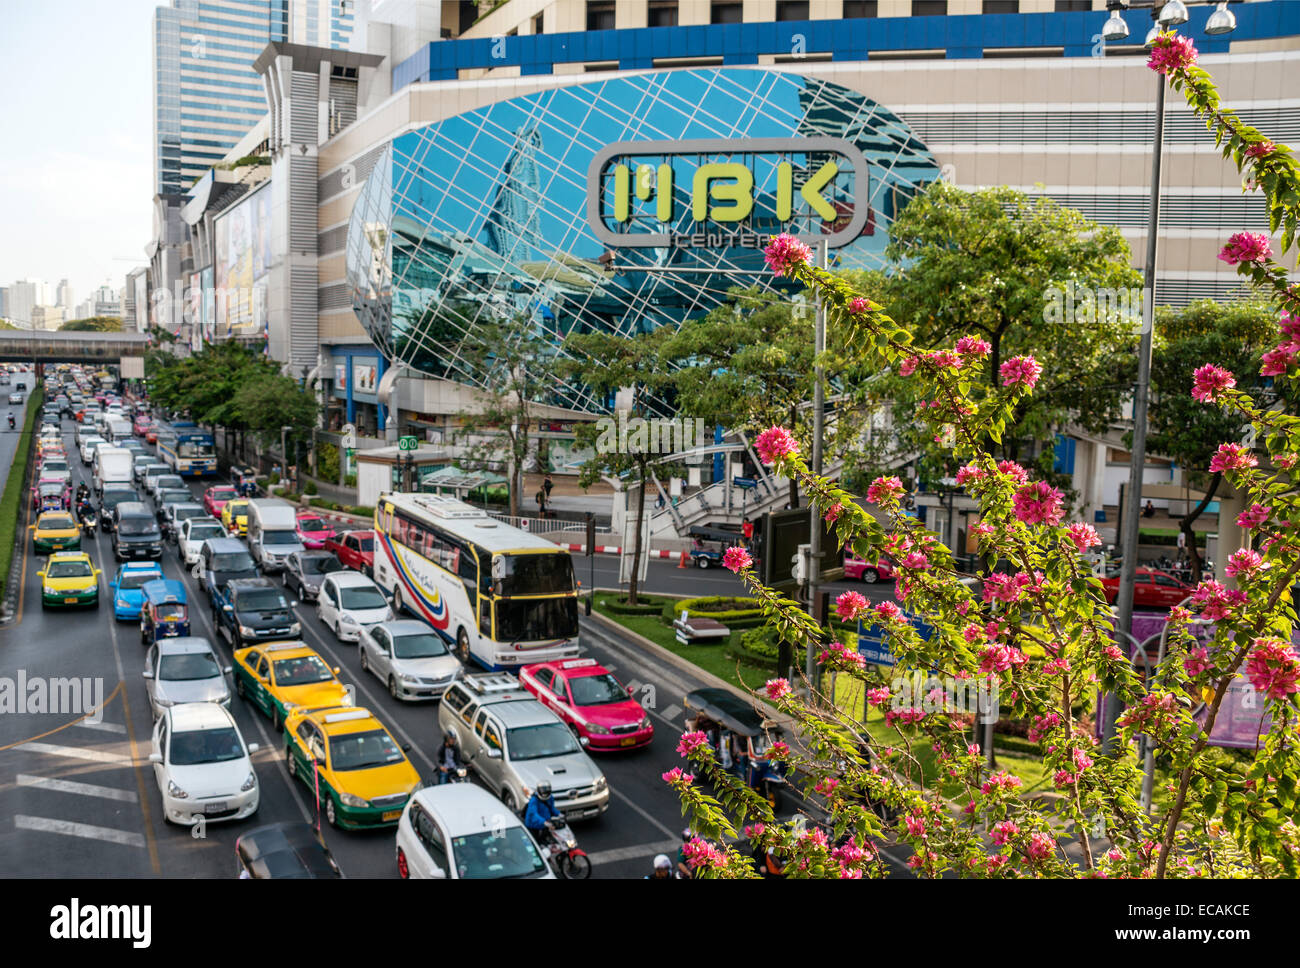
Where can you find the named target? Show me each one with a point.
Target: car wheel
(330, 815)
(290, 762)
(462, 645)
(701, 562)
(870, 576)
(392, 688)
(239, 689)
(276, 721)
(508, 800)
(403, 870)
(365, 663)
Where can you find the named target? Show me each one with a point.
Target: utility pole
(814, 516)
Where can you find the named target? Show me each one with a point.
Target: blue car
(127, 588)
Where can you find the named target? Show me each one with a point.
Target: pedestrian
(540, 499)
(747, 529)
(547, 484)
(659, 504)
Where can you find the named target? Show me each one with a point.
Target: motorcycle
(88, 522)
(11, 421)
(570, 861)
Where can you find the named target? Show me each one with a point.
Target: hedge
(649, 606)
(11, 503)
(715, 607)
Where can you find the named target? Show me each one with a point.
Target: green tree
(93, 324)
(1185, 430)
(268, 402)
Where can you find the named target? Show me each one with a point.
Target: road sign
(408, 443)
(873, 643)
(745, 482)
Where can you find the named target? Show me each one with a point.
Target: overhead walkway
(39, 346)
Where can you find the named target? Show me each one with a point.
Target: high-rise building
(24, 296)
(47, 317)
(63, 295)
(320, 23)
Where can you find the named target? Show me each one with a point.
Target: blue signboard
(873, 643)
(744, 482)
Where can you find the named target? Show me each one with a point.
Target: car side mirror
(40, 574)
(406, 747)
(293, 604)
(148, 673)
(494, 754)
(155, 757)
(254, 747)
(337, 670)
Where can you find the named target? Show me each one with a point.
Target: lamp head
(1173, 13)
(1115, 28)
(1222, 21)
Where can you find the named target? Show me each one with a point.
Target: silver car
(514, 743)
(410, 658)
(181, 670)
(305, 570)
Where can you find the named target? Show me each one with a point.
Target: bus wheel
(397, 600)
(462, 645)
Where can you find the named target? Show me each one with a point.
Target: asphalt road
(78, 798)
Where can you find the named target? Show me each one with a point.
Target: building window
(662, 14)
(466, 14)
(929, 8)
(726, 13)
(860, 8)
(1064, 5)
(791, 9)
(1002, 6)
(600, 15)
(539, 24)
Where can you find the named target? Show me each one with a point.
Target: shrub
(724, 608)
(310, 489)
(327, 461)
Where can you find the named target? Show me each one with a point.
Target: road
(78, 798)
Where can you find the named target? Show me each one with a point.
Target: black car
(284, 850)
(112, 496)
(305, 570)
(135, 532)
(254, 610)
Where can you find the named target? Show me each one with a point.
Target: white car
(191, 535)
(409, 657)
(88, 445)
(202, 765)
(461, 831)
(184, 669)
(350, 602)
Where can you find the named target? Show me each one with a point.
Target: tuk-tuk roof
(727, 709)
(163, 590)
(716, 534)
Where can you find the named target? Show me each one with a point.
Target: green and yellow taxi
(69, 580)
(234, 516)
(55, 531)
(364, 776)
(277, 677)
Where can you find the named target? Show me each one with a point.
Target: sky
(76, 170)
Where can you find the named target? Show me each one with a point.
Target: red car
(1150, 587)
(596, 706)
(215, 498)
(859, 570)
(313, 530)
(142, 425)
(355, 549)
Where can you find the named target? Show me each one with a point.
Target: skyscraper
(64, 296)
(206, 93)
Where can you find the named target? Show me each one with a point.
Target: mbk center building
(621, 180)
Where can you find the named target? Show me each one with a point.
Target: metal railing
(539, 525)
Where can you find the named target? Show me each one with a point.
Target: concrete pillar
(1231, 536)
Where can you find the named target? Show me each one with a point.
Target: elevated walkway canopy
(39, 346)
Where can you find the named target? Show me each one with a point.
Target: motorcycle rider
(663, 869)
(11, 421)
(449, 759)
(83, 492)
(539, 813)
(86, 513)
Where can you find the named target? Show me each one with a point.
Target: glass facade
(485, 216)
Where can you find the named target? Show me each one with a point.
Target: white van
(272, 533)
(113, 465)
(119, 429)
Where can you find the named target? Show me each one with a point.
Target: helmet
(544, 790)
(686, 834)
(662, 863)
(449, 736)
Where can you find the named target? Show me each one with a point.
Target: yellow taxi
(365, 778)
(277, 677)
(235, 515)
(69, 579)
(55, 531)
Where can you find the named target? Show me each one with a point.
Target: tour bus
(502, 596)
(187, 449)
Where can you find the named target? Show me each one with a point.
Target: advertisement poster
(142, 319)
(194, 309)
(243, 261)
(365, 377)
(209, 304)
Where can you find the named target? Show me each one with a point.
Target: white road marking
(669, 847)
(76, 753)
(671, 713)
(641, 810)
(104, 727)
(70, 829)
(69, 786)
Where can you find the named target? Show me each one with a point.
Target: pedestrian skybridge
(27, 346)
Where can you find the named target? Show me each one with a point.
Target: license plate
(70, 601)
(392, 814)
(627, 741)
(215, 807)
(56, 547)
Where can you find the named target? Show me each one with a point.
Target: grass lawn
(11, 503)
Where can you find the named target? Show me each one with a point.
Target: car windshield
(539, 574)
(596, 690)
(205, 746)
(57, 522)
(136, 579)
(279, 538)
(321, 565)
(184, 513)
(50, 490)
(155, 470)
(535, 742)
(233, 561)
(137, 527)
(529, 620)
(363, 751)
(489, 855)
(222, 493)
(420, 645)
(187, 668)
(199, 532)
(303, 670)
(362, 598)
(170, 612)
(169, 481)
(237, 509)
(262, 600)
(68, 569)
(54, 464)
(312, 524)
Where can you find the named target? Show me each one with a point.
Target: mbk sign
(735, 192)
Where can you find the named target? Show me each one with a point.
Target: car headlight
(245, 630)
(346, 619)
(645, 722)
(295, 628)
(249, 783)
(406, 677)
(122, 603)
(289, 706)
(601, 784)
(174, 791)
(351, 800)
(597, 729)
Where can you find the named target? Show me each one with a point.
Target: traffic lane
(9, 438)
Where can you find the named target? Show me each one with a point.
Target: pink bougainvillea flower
(1003, 832)
(878, 697)
(700, 853)
(859, 306)
(1040, 846)
(1082, 760)
(1038, 503)
(969, 472)
(785, 252)
(1253, 516)
(1246, 247)
(1084, 536)
(826, 786)
(1196, 661)
(915, 560)
(850, 605)
(1244, 562)
(1172, 53)
(1232, 457)
(1260, 149)
(1279, 359)
(833, 512)
(691, 742)
(1020, 371)
(776, 688)
(915, 825)
(736, 558)
(1272, 668)
(676, 775)
(1014, 471)
(886, 612)
(973, 346)
(775, 443)
(1209, 382)
(884, 490)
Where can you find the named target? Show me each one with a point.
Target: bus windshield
(529, 620)
(538, 574)
(195, 448)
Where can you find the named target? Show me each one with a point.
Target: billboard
(141, 321)
(243, 261)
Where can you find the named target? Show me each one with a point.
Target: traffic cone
(681, 562)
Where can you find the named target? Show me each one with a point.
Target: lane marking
(70, 786)
(669, 847)
(75, 722)
(77, 753)
(671, 713)
(644, 813)
(104, 727)
(138, 767)
(70, 829)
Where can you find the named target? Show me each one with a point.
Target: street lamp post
(1165, 15)
(815, 529)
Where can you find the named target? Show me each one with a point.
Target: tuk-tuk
(165, 613)
(245, 481)
(705, 556)
(49, 496)
(740, 738)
